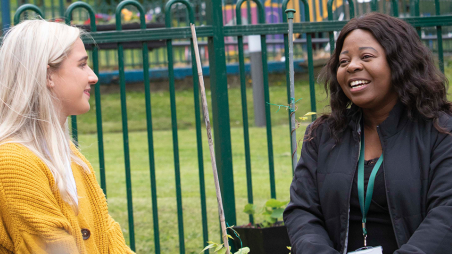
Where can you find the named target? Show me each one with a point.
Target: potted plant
(268, 237)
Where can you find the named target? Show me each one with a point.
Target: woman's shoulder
(317, 130)
(13, 149)
(18, 157)
(445, 121)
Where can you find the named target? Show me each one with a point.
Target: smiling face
(71, 82)
(363, 73)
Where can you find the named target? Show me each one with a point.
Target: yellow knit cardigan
(34, 217)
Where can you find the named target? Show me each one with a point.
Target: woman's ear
(50, 82)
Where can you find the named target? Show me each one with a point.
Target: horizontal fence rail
(213, 36)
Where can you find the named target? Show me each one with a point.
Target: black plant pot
(273, 240)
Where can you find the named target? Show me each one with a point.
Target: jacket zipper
(386, 192)
(345, 244)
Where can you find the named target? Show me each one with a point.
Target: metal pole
(6, 15)
(293, 133)
(254, 46)
(205, 110)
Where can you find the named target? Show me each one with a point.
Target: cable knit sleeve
(31, 213)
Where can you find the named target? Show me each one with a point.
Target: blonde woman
(50, 201)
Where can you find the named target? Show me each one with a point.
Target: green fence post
(374, 5)
(261, 18)
(180, 217)
(125, 131)
(147, 92)
(439, 38)
(52, 8)
(330, 18)
(310, 55)
(395, 7)
(246, 138)
(191, 19)
(414, 12)
(24, 8)
(220, 108)
(61, 8)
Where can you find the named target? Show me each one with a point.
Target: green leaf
(272, 203)
(222, 251)
(275, 203)
(270, 219)
(277, 213)
(244, 250)
(267, 212)
(250, 209)
(210, 246)
(219, 247)
(265, 224)
(230, 237)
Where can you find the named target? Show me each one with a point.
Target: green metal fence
(54, 9)
(214, 33)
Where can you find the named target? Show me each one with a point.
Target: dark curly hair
(420, 86)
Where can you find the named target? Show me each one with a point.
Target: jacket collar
(391, 125)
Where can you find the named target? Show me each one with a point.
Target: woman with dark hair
(377, 170)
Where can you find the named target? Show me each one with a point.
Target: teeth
(358, 83)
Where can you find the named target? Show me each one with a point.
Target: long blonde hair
(27, 112)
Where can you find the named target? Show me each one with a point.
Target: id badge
(368, 250)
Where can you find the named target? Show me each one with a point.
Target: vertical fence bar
(62, 8)
(52, 6)
(439, 38)
(43, 7)
(191, 19)
(416, 12)
(74, 129)
(180, 217)
(374, 5)
(246, 138)
(310, 57)
(95, 56)
(220, 109)
(261, 17)
(147, 92)
(395, 8)
(125, 131)
(330, 18)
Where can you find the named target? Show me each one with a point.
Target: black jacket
(418, 177)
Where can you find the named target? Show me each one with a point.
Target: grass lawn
(161, 115)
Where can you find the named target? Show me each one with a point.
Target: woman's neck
(374, 117)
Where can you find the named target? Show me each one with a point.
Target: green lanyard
(370, 186)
